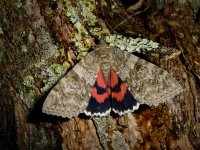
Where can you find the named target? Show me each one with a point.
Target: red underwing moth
(110, 79)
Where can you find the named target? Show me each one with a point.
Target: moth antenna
(121, 23)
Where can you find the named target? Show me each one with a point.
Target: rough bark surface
(41, 40)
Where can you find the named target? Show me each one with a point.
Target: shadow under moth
(108, 79)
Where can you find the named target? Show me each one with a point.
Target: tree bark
(41, 40)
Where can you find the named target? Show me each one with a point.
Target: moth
(108, 79)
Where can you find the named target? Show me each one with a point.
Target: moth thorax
(106, 71)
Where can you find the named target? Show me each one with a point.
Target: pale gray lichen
(27, 96)
(132, 45)
(118, 141)
(49, 49)
(104, 127)
(100, 123)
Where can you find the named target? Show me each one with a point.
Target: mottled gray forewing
(70, 96)
(148, 83)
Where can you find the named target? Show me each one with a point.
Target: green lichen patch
(88, 6)
(24, 48)
(27, 93)
(1, 31)
(28, 81)
(54, 73)
(81, 55)
(58, 51)
(39, 63)
(18, 3)
(80, 34)
(88, 13)
(103, 3)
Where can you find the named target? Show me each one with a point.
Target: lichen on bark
(41, 40)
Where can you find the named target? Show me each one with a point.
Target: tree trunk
(41, 40)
